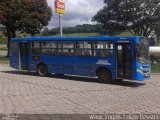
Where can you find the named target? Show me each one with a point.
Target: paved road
(26, 93)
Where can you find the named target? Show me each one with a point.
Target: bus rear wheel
(104, 75)
(42, 70)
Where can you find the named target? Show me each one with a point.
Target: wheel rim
(42, 70)
(104, 76)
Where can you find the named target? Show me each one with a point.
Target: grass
(3, 40)
(3, 47)
(125, 33)
(4, 60)
(80, 34)
(1, 34)
(155, 68)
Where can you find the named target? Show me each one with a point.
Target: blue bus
(108, 58)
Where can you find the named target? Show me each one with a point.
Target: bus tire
(42, 70)
(104, 75)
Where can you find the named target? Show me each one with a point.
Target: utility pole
(60, 8)
(60, 25)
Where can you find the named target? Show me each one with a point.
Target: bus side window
(36, 48)
(78, 48)
(103, 49)
(50, 47)
(54, 47)
(69, 47)
(87, 49)
(96, 49)
(66, 48)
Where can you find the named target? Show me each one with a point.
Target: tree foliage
(139, 17)
(24, 15)
(10, 14)
(35, 16)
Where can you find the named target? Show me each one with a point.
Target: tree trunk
(11, 33)
(158, 41)
(8, 45)
(158, 36)
(8, 39)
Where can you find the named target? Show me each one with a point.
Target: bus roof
(92, 38)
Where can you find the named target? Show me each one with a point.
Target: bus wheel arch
(104, 75)
(42, 69)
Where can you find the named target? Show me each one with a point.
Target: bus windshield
(142, 51)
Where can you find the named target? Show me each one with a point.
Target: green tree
(10, 12)
(45, 31)
(35, 16)
(26, 16)
(139, 17)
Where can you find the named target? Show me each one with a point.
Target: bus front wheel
(42, 70)
(104, 75)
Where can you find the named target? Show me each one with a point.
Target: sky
(77, 12)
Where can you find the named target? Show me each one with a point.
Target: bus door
(24, 56)
(124, 61)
